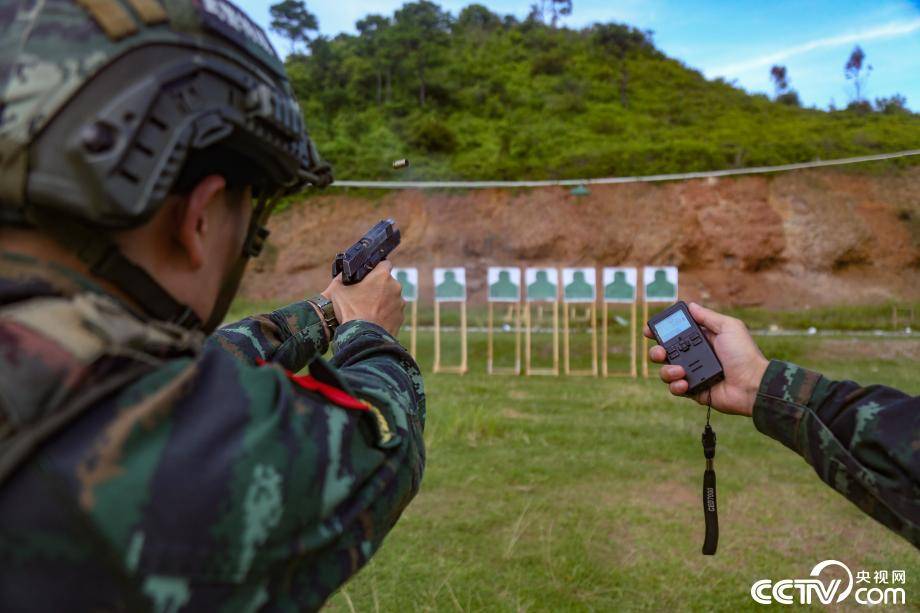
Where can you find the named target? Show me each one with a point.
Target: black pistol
(363, 256)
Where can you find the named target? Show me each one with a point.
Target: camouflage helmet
(103, 101)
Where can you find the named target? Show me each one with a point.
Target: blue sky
(735, 39)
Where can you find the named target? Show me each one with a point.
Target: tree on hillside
(477, 17)
(780, 77)
(555, 9)
(560, 8)
(375, 47)
(617, 41)
(536, 13)
(421, 30)
(857, 71)
(894, 105)
(325, 73)
(292, 20)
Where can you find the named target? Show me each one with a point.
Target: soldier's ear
(193, 216)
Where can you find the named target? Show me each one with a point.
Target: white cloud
(891, 30)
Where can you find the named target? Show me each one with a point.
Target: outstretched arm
(294, 336)
(862, 441)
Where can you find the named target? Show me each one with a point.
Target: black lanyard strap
(710, 511)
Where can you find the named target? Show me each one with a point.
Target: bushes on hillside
(487, 97)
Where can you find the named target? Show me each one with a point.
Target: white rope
(756, 332)
(617, 180)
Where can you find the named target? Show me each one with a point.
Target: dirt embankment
(786, 241)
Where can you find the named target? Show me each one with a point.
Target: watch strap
(324, 306)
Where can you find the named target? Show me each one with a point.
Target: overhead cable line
(619, 180)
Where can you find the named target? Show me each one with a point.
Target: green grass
(852, 317)
(583, 494)
(847, 318)
(559, 494)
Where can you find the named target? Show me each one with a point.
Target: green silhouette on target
(450, 288)
(504, 288)
(408, 288)
(579, 288)
(661, 288)
(542, 289)
(620, 289)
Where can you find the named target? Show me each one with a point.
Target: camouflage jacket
(862, 441)
(217, 481)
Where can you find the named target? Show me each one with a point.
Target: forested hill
(479, 96)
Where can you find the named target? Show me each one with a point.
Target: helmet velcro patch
(117, 22)
(151, 11)
(111, 17)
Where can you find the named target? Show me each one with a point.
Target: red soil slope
(791, 240)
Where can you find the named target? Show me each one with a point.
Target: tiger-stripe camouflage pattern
(862, 441)
(219, 481)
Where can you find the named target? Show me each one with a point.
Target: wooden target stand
(462, 368)
(490, 359)
(566, 348)
(413, 330)
(528, 348)
(645, 358)
(633, 369)
(633, 345)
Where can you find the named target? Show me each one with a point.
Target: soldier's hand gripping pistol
(361, 258)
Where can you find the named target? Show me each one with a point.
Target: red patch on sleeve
(330, 393)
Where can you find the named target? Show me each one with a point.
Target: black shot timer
(676, 331)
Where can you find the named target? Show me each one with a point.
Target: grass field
(557, 494)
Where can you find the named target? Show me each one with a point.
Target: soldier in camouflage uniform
(862, 441)
(147, 463)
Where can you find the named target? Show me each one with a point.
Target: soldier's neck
(45, 249)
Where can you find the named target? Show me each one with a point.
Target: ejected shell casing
(400, 164)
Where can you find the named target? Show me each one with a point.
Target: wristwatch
(324, 306)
